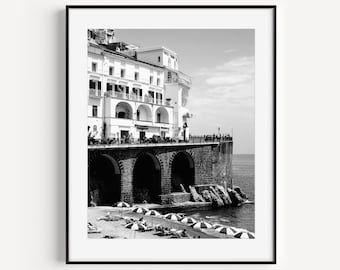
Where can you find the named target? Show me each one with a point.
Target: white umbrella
(188, 220)
(217, 225)
(227, 230)
(244, 235)
(122, 204)
(140, 210)
(136, 227)
(201, 225)
(172, 216)
(152, 213)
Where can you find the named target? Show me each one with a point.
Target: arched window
(123, 110)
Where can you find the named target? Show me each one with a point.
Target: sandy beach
(116, 229)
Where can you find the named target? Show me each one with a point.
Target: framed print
(171, 134)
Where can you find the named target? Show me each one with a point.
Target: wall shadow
(60, 99)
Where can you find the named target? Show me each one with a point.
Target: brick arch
(189, 152)
(179, 174)
(153, 156)
(146, 177)
(104, 180)
(96, 154)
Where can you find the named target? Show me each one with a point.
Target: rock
(235, 197)
(182, 188)
(216, 201)
(196, 197)
(223, 194)
(215, 196)
(206, 195)
(240, 192)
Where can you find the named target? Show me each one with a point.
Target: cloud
(228, 79)
(229, 51)
(232, 72)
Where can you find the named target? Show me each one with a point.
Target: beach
(116, 229)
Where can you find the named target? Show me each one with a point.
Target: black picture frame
(273, 8)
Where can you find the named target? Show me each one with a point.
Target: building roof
(156, 48)
(123, 55)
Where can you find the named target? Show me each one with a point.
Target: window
(110, 70)
(94, 67)
(169, 76)
(151, 79)
(94, 111)
(122, 73)
(158, 117)
(136, 76)
(109, 87)
(158, 81)
(159, 59)
(94, 128)
(92, 84)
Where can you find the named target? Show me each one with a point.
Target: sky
(221, 65)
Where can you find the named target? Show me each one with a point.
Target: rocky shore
(218, 196)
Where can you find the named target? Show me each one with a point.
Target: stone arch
(144, 113)
(161, 115)
(104, 181)
(124, 110)
(182, 171)
(146, 178)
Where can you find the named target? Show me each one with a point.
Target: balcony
(122, 95)
(134, 97)
(180, 78)
(95, 93)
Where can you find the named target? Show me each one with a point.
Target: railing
(134, 97)
(149, 99)
(158, 139)
(95, 92)
(210, 138)
(160, 122)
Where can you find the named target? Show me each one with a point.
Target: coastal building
(135, 93)
(138, 93)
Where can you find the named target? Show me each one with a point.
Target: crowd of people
(128, 139)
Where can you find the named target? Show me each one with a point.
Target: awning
(141, 127)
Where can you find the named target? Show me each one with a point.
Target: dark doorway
(146, 179)
(182, 172)
(141, 135)
(104, 181)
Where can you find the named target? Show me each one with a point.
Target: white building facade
(136, 94)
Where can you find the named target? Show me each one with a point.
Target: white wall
(33, 155)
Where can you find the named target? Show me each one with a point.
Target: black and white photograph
(171, 128)
(163, 108)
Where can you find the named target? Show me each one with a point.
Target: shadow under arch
(182, 172)
(104, 184)
(146, 179)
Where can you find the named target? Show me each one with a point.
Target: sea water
(242, 216)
